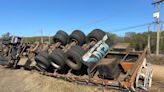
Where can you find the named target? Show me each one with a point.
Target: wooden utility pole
(149, 48)
(41, 31)
(49, 38)
(156, 15)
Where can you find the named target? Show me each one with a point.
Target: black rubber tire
(41, 67)
(96, 35)
(109, 41)
(42, 60)
(62, 37)
(79, 36)
(74, 57)
(58, 58)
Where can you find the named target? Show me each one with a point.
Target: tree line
(138, 40)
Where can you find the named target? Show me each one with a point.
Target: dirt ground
(26, 81)
(157, 60)
(158, 78)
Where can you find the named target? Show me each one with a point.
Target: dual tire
(57, 57)
(74, 55)
(96, 35)
(42, 61)
(62, 37)
(78, 36)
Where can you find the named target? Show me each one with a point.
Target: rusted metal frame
(87, 80)
(10, 48)
(56, 45)
(21, 53)
(68, 46)
(46, 47)
(132, 74)
(87, 46)
(126, 65)
(125, 57)
(34, 49)
(130, 53)
(31, 51)
(127, 53)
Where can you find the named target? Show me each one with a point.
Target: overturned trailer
(99, 62)
(126, 70)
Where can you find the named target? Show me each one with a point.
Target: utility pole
(156, 15)
(49, 38)
(149, 50)
(41, 31)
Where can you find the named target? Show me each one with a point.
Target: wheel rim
(55, 65)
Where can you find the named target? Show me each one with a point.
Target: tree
(5, 36)
(114, 38)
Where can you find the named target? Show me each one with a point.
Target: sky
(29, 17)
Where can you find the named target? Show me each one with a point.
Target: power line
(131, 27)
(92, 22)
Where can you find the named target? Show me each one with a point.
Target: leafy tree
(114, 38)
(5, 36)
